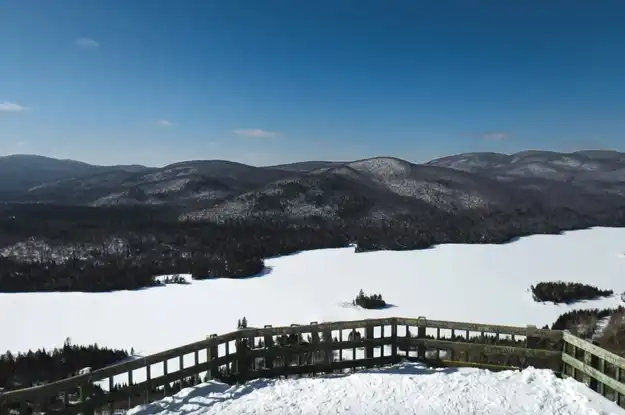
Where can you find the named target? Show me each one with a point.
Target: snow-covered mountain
(376, 187)
(218, 189)
(581, 168)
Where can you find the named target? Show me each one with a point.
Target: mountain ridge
(375, 187)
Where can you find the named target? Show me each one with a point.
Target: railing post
(421, 333)
(369, 335)
(298, 355)
(111, 402)
(562, 364)
(213, 354)
(531, 342)
(328, 349)
(180, 367)
(269, 349)
(84, 401)
(165, 372)
(394, 337)
(148, 386)
(600, 385)
(588, 380)
(242, 358)
(451, 353)
(130, 383)
(617, 376)
(574, 354)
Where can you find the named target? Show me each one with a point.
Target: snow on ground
(407, 388)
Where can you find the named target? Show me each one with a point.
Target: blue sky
(268, 81)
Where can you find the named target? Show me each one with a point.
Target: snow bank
(407, 388)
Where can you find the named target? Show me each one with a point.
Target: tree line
(27, 369)
(81, 256)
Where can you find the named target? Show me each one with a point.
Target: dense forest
(77, 248)
(27, 369)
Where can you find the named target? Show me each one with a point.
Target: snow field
(407, 388)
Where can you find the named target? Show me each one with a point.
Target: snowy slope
(407, 388)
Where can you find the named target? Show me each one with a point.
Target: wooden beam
(591, 371)
(609, 357)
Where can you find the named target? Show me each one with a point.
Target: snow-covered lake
(476, 283)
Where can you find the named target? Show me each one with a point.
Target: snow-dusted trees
(369, 301)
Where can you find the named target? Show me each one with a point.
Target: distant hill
(379, 187)
(20, 172)
(576, 179)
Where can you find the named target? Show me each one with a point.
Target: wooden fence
(306, 350)
(597, 368)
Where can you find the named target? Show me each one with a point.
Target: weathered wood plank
(486, 349)
(297, 329)
(321, 368)
(488, 328)
(589, 370)
(317, 347)
(609, 357)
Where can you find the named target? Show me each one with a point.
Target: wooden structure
(306, 350)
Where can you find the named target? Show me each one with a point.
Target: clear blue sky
(264, 81)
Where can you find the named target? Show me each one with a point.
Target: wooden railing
(311, 349)
(599, 369)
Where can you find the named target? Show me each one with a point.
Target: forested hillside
(75, 248)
